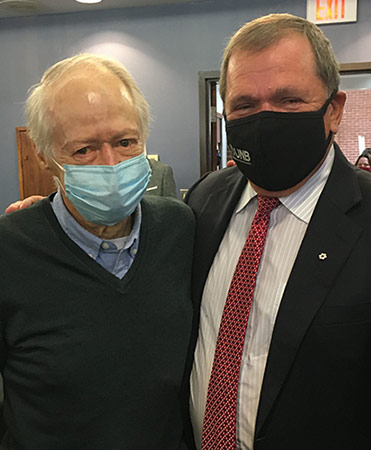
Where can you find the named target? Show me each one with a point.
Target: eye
(242, 107)
(292, 101)
(128, 142)
(125, 142)
(82, 151)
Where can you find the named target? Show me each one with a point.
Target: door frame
(207, 116)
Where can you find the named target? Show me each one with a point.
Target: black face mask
(277, 150)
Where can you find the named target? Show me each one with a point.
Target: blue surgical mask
(105, 195)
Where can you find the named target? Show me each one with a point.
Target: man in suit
(304, 376)
(162, 179)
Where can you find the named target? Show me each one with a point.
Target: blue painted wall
(164, 47)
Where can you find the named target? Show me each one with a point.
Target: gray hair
(40, 127)
(259, 34)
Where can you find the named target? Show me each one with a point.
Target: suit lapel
(212, 220)
(330, 237)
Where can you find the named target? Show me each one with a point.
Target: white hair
(40, 127)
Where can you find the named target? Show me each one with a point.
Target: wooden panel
(32, 178)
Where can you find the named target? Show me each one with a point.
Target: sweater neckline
(120, 284)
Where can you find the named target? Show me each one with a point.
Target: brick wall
(356, 121)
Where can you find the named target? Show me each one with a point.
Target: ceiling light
(20, 6)
(88, 1)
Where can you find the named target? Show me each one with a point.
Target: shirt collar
(303, 201)
(89, 242)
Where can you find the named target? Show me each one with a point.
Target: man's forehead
(279, 57)
(289, 39)
(88, 82)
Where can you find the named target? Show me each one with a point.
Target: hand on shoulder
(21, 204)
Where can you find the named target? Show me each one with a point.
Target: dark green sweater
(92, 362)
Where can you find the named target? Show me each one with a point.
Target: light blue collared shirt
(115, 255)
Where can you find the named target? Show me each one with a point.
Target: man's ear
(336, 112)
(42, 162)
(41, 159)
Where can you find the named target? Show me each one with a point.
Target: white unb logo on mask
(241, 155)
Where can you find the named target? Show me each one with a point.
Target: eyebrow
(243, 99)
(78, 142)
(289, 91)
(125, 132)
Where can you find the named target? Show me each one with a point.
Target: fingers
(13, 207)
(21, 204)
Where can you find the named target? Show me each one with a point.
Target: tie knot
(267, 204)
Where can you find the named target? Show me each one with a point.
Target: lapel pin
(322, 256)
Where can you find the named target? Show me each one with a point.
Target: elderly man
(283, 356)
(95, 306)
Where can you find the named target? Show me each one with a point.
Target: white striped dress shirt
(287, 228)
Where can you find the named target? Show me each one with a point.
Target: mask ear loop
(328, 101)
(323, 110)
(57, 181)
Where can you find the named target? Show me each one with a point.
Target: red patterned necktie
(219, 427)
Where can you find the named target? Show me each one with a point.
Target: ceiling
(13, 8)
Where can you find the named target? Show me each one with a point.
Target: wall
(356, 121)
(164, 47)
